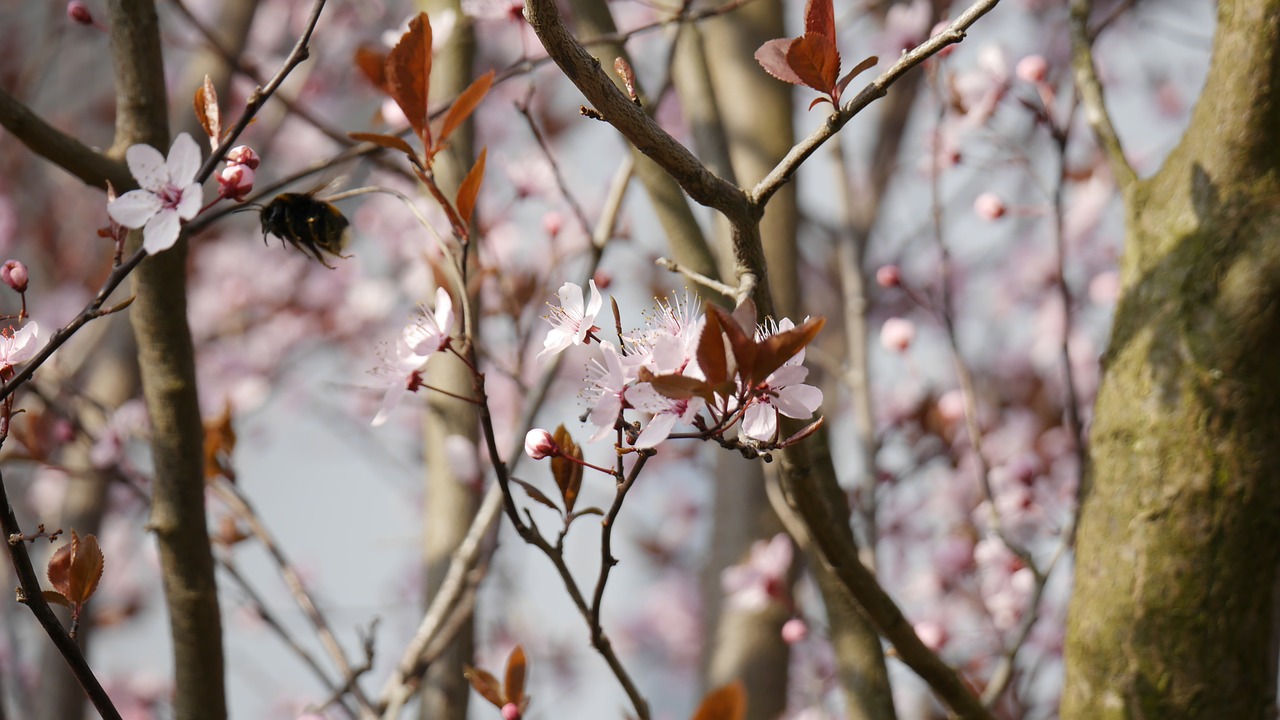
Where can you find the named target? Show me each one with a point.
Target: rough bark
(451, 499)
(1174, 609)
(167, 361)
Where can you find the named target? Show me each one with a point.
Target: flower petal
(571, 299)
(760, 422)
(389, 402)
(596, 302)
(444, 311)
(134, 208)
(146, 164)
(161, 232)
(656, 431)
(191, 202)
(798, 401)
(184, 160)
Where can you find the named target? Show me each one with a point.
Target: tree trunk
(1175, 601)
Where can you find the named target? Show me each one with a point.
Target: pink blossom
(243, 155)
(1032, 69)
(889, 276)
(235, 181)
(167, 196)
(401, 369)
(932, 634)
(666, 413)
(897, 334)
(79, 12)
(14, 274)
(782, 392)
(762, 579)
(794, 630)
(539, 444)
(510, 711)
(571, 324)
(608, 382)
(18, 347)
(989, 206)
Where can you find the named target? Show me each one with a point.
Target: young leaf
(820, 19)
(776, 349)
(680, 387)
(727, 702)
(466, 104)
(743, 345)
(514, 684)
(53, 597)
(206, 104)
(470, 187)
(803, 433)
(87, 564)
(535, 494)
(486, 684)
(855, 72)
(816, 61)
(408, 72)
(772, 56)
(711, 355)
(390, 142)
(372, 63)
(568, 474)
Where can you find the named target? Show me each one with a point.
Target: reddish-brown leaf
(772, 56)
(206, 104)
(680, 387)
(855, 72)
(464, 106)
(820, 18)
(486, 684)
(803, 433)
(567, 473)
(727, 702)
(514, 685)
(59, 570)
(535, 494)
(711, 352)
(87, 564)
(390, 142)
(742, 344)
(623, 68)
(778, 348)
(54, 597)
(408, 73)
(469, 190)
(372, 63)
(219, 445)
(816, 61)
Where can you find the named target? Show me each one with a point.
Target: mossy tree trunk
(1174, 609)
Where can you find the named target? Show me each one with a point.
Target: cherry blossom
(419, 340)
(607, 390)
(168, 195)
(18, 347)
(782, 392)
(539, 444)
(762, 579)
(666, 413)
(571, 323)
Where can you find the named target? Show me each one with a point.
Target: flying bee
(309, 224)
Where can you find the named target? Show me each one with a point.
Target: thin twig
(1090, 88)
(709, 283)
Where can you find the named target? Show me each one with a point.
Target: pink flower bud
(79, 12)
(951, 406)
(889, 276)
(989, 206)
(539, 444)
(933, 635)
(14, 274)
(553, 223)
(235, 181)
(896, 334)
(603, 279)
(794, 630)
(243, 155)
(1032, 69)
(510, 712)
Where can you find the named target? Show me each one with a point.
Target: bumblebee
(307, 223)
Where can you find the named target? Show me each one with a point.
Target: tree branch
(1090, 88)
(50, 143)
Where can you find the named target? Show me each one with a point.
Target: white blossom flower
(401, 370)
(168, 192)
(782, 392)
(18, 347)
(608, 385)
(571, 323)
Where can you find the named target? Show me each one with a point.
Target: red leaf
(742, 344)
(372, 63)
(820, 17)
(87, 564)
(567, 473)
(390, 142)
(59, 570)
(535, 494)
(772, 56)
(803, 433)
(206, 103)
(54, 597)
(776, 349)
(855, 72)
(464, 105)
(816, 61)
(680, 387)
(408, 71)
(711, 351)
(470, 188)
(728, 702)
(486, 684)
(514, 684)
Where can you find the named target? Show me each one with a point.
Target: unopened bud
(243, 155)
(897, 333)
(889, 276)
(235, 181)
(510, 711)
(989, 206)
(794, 630)
(539, 444)
(79, 12)
(1032, 69)
(14, 274)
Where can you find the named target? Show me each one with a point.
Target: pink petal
(759, 422)
(571, 299)
(134, 208)
(161, 232)
(146, 164)
(593, 307)
(389, 402)
(444, 311)
(184, 160)
(191, 202)
(656, 431)
(798, 401)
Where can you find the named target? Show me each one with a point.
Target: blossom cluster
(660, 371)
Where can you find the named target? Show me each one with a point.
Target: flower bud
(552, 223)
(539, 444)
(1033, 69)
(235, 181)
(79, 12)
(897, 333)
(989, 206)
(243, 155)
(14, 274)
(510, 711)
(889, 276)
(794, 630)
